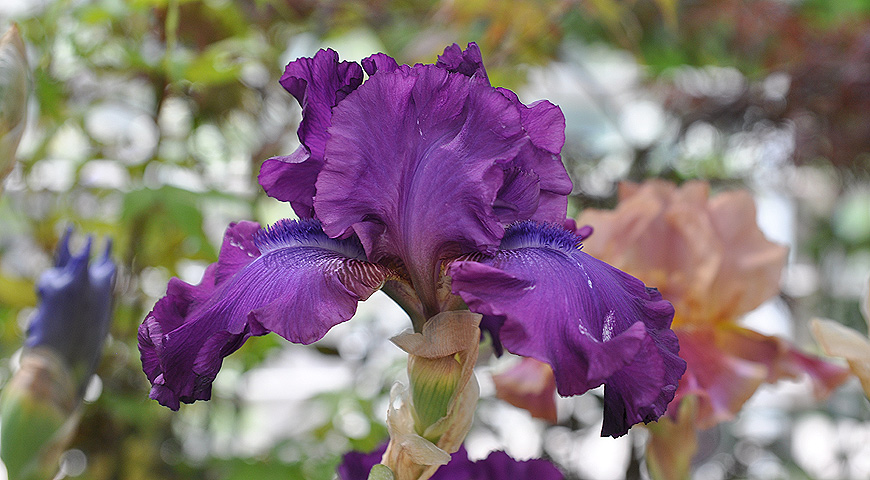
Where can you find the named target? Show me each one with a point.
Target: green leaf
(17, 292)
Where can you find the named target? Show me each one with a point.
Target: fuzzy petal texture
(319, 83)
(592, 323)
(418, 163)
(290, 279)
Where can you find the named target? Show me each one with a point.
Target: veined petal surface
(415, 164)
(290, 279)
(591, 322)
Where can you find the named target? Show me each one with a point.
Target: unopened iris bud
(433, 383)
(39, 406)
(14, 87)
(429, 420)
(381, 472)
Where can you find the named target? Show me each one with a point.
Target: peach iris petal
(708, 257)
(780, 358)
(722, 382)
(841, 341)
(673, 443)
(529, 385)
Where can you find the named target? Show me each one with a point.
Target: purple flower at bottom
(497, 466)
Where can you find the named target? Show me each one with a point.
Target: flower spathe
(428, 421)
(419, 180)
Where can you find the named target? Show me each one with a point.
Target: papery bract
(434, 414)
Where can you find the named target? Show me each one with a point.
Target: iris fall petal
(290, 279)
(603, 326)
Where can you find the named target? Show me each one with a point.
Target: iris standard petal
(468, 62)
(415, 163)
(540, 163)
(544, 124)
(291, 179)
(591, 322)
(319, 83)
(290, 279)
(379, 62)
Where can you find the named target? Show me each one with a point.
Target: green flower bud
(429, 420)
(381, 472)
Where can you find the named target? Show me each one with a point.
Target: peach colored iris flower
(841, 341)
(707, 256)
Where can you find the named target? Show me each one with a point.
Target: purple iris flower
(427, 182)
(497, 466)
(75, 309)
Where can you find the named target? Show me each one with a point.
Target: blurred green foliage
(151, 118)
